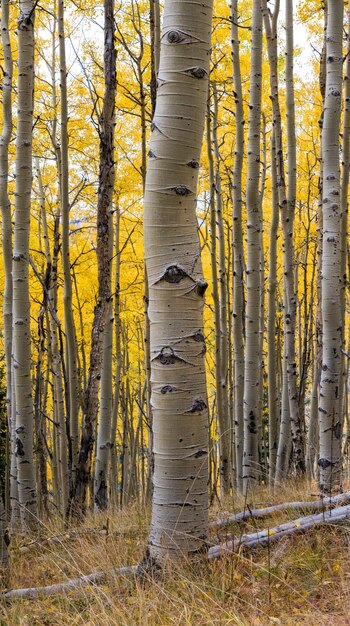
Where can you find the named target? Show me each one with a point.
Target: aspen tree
(313, 433)
(118, 350)
(238, 254)
(221, 358)
(224, 338)
(176, 286)
(252, 419)
(20, 268)
(345, 170)
(273, 397)
(7, 250)
(106, 186)
(102, 308)
(330, 418)
(56, 361)
(287, 206)
(71, 346)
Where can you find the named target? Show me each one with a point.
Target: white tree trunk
(71, 346)
(252, 419)
(273, 395)
(238, 254)
(176, 286)
(21, 304)
(7, 249)
(330, 418)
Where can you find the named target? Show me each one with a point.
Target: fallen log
(69, 585)
(317, 505)
(263, 537)
(249, 540)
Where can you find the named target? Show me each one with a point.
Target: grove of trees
(174, 185)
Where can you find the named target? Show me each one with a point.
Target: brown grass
(303, 580)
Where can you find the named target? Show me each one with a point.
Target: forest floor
(304, 579)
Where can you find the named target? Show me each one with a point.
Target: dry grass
(303, 580)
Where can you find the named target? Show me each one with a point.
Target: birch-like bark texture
(238, 254)
(20, 268)
(176, 286)
(105, 442)
(345, 171)
(273, 396)
(71, 344)
(330, 420)
(325, 504)
(287, 205)
(222, 382)
(57, 377)
(313, 434)
(221, 401)
(284, 439)
(103, 248)
(268, 535)
(252, 419)
(119, 360)
(7, 248)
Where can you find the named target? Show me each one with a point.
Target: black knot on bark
(167, 356)
(182, 190)
(201, 287)
(324, 463)
(151, 155)
(175, 36)
(198, 405)
(198, 336)
(194, 164)
(174, 274)
(19, 450)
(197, 72)
(167, 389)
(26, 21)
(337, 430)
(200, 453)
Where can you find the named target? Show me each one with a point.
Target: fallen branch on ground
(73, 583)
(317, 505)
(262, 537)
(250, 540)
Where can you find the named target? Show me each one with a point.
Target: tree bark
(330, 419)
(238, 254)
(273, 396)
(252, 419)
(176, 286)
(287, 206)
(71, 344)
(104, 207)
(7, 251)
(20, 269)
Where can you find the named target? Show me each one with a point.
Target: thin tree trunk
(222, 412)
(117, 378)
(104, 207)
(223, 310)
(287, 206)
(332, 281)
(344, 192)
(252, 419)
(176, 286)
(7, 249)
(238, 254)
(20, 269)
(71, 346)
(273, 396)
